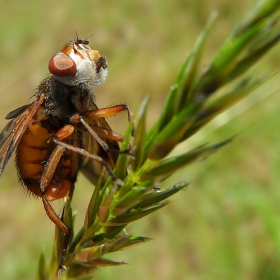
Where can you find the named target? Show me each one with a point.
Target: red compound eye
(62, 65)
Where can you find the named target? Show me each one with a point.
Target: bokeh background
(226, 225)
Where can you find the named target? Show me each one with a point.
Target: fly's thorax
(62, 100)
(78, 64)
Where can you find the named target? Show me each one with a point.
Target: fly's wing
(15, 113)
(12, 133)
(91, 168)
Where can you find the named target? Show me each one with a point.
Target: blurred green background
(227, 224)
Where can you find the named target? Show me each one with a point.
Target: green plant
(192, 102)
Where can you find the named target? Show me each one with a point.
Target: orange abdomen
(33, 153)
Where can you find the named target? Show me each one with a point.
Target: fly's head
(78, 64)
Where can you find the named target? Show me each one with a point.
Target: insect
(63, 132)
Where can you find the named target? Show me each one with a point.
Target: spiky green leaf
(42, 273)
(157, 195)
(123, 158)
(140, 135)
(134, 215)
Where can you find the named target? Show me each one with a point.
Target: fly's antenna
(78, 41)
(86, 41)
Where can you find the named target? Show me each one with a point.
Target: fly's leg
(85, 153)
(49, 170)
(110, 111)
(108, 134)
(98, 132)
(104, 133)
(46, 178)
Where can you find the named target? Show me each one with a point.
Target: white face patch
(78, 64)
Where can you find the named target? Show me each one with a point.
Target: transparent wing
(90, 168)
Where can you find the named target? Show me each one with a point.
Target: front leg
(110, 111)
